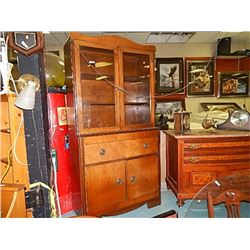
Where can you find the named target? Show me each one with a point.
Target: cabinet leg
(180, 202)
(153, 203)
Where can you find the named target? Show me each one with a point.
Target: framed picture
(200, 78)
(167, 109)
(169, 76)
(233, 84)
(220, 106)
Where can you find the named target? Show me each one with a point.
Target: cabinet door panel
(136, 81)
(142, 176)
(105, 185)
(97, 97)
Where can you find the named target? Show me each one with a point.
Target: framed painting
(167, 109)
(220, 106)
(200, 78)
(169, 76)
(233, 84)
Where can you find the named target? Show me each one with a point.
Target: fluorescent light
(179, 38)
(158, 38)
(167, 37)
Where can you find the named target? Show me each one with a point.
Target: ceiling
(59, 38)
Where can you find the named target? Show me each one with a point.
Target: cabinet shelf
(136, 79)
(5, 160)
(95, 77)
(136, 103)
(99, 104)
(230, 57)
(5, 130)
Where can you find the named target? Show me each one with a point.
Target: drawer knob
(133, 179)
(193, 159)
(145, 145)
(119, 181)
(102, 151)
(194, 146)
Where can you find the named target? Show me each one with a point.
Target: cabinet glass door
(97, 91)
(136, 79)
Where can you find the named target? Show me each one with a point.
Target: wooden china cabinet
(113, 140)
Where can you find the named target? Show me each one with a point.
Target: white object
(5, 67)
(26, 98)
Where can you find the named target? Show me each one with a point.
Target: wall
(199, 50)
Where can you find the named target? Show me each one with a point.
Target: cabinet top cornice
(111, 40)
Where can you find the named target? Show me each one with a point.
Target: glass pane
(136, 84)
(98, 94)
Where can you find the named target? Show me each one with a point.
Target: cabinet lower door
(105, 185)
(142, 176)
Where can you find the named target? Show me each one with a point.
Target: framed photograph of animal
(233, 84)
(200, 78)
(169, 76)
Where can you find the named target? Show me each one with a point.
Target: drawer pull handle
(102, 151)
(193, 159)
(133, 179)
(119, 181)
(145, 145)
(194, 146)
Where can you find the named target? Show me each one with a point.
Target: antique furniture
(232, 199)
(14, 167)
(113, 141)
(224, 197)
(198, 157)
(12, 201)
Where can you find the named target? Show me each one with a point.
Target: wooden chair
(232, 199)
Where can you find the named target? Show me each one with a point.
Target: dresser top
(202, 133)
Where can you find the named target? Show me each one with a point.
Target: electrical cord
(8, 166)
(12, 204)
(56, 187)
(51, 196)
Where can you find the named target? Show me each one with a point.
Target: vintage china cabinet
(113, 140)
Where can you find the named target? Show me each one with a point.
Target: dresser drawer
(101, 152)
(215, 146)
(142, 146)
(209, 153)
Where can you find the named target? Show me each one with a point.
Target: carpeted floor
(168, 202)
(191, 209)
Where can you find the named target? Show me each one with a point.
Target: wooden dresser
(112, 136)
(196, 158)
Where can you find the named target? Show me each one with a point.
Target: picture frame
(166, 109)
(169, 75)
(200, 77)
(222, 106)
(233, 84)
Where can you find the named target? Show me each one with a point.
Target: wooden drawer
(142, 146)
(209, 153)
(101, 152)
